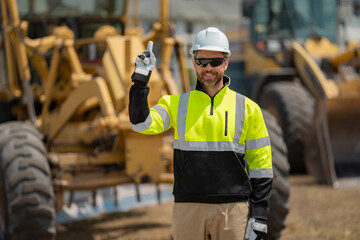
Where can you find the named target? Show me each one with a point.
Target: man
(222, 156)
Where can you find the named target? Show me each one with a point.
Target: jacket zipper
(226, 122)
(212, 106)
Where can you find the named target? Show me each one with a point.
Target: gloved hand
(255, 230)
(145, 63)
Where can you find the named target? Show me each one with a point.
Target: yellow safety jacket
(221, 145)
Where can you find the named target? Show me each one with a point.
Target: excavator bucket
(333, 151)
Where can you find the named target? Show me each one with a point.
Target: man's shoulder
(250, 105)
(169, 99)
(246, 99)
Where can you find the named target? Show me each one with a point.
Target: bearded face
(208, 75)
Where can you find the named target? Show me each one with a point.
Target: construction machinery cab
(276, 22)
(84, 18)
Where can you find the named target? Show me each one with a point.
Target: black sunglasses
(214, 62)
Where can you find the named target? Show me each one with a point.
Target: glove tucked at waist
(144, 64)
(255, 230)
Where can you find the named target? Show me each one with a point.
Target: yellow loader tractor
(65, 68)
(295, 68)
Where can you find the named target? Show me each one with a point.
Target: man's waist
(225, 198)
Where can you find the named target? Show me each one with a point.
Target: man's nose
(208, 66)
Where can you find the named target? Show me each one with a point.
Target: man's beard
(211, 83)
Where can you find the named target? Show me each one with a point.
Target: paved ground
(317, 212)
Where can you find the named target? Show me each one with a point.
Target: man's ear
(193, 61)
(226, 63)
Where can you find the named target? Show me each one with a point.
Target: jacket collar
(226, 81)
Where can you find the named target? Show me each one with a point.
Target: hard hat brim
(210, 48)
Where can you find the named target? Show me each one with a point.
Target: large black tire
(293, 108)
(279, 207)
(28, 203)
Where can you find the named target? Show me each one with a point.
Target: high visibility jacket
(222, 148)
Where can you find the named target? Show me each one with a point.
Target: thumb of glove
(249, 228)
(255, 230)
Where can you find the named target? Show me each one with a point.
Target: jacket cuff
(140, 85)
(259, 213)
(137, 77)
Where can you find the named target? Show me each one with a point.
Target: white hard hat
(210, 39)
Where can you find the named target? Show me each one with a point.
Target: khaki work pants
(200, 221)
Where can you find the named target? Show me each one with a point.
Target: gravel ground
(316, 212)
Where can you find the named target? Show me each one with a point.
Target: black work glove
(255, 230)
(144, 64)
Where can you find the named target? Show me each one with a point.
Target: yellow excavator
(65, 70)
(296, 68)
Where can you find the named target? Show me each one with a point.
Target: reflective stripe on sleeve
(258, 143)
(261, 173)
(164, 115)
(139, 127)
